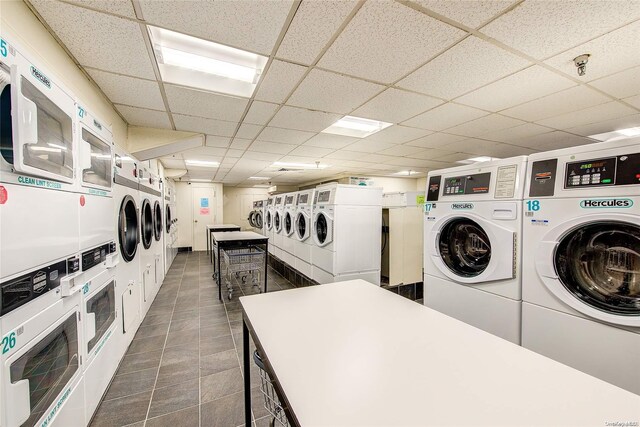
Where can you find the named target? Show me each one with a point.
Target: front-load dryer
(39, 207)
(472, 238)
(347, 220)
(125, 195)
(269, 214)
(278, 212)
(581, 274)
(288, 229)
(302, 242)
(150, 249)
(170, 225)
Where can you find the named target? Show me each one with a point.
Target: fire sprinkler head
(581, 63)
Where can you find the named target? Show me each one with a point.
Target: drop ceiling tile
(514, 134)
(505, 151)
(386, 40)
(435, 140)
(260, 112)
(432, 154)
(445, 116)
(261, 155)
(248, 131)
(234, 154)
(303, 119)
(397, 134)
(553, 140)
(378, 159)
(205, 104)
(470, 13)
(240, 143)
(117, 7)
(607, 125)
(207, 126)
(470, 64)
(144, 117)
(327, 140)
(344, 155)
(486, 124)
(271, 147)
(411, 163)
(280, 80)
(554, 26)
(366, 146)
(599, 113)
(401, 150)
(311, 29)
(526, 85)
(634, 100)
(610, 53)
(621, 85)
(456, 157)
(572, 99)
(395, 105)
(291, 158)
(240, 24)
(331, 92)
(75, 26)
(217, 141)
(229, 161)
(306, 150)
(288, 136)
(129, 90)
(477, 146)
(205, 151)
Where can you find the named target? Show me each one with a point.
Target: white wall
(238, 202)
(185, 204)
(21, 28)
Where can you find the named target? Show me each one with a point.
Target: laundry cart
(271, 401)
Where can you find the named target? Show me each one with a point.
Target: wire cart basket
(271, 402)
(244, 264)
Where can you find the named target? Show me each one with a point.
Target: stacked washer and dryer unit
(472, 235)
(581, 286)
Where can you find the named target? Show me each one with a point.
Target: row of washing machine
(543, 251)
(328, 234)
(82, 249)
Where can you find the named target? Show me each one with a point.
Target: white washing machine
(41, 379)
(169, 224)
(150, 250)
(581, 286)
(95, 181)
(269, 229)
(125, 195)
(302, 242)
(288, 229)
(278, 212)
(258, 217)
(472, 238)
(38, 205)
(252, 216)
(157, 246)
(347, 220)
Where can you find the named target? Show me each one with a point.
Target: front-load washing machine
(581, 285)
(41, 381)
(288, 237)
(303, 242)
(259, 216)
(95, 170)
(125, 195)
(269, 215)
(472, 241)
(170, 223)
(251, 218)
(150, 256)
(38, 205)
(158, 232)
(278, 212)
(347, 220)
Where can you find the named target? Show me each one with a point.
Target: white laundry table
(353, 354)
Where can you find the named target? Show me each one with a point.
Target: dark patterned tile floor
(183, 367)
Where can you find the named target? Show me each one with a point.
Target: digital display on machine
(278, 200)
(467, 184)
(323, 196)
(620, 170)
(302, 199)
(288, 200)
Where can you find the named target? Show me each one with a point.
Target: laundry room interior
(319, 213)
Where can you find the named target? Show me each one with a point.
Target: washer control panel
(620, 170)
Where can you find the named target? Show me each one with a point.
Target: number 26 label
(8, 342)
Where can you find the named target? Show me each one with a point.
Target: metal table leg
(266, 265)
(219, 275)
(247, 373)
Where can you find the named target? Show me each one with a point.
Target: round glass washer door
(168, 220)
(464, 247)
(146, 223)
(269, 220)
(157, 221)
(301, 226)
(258, 219)
(322, 229)
(277, 223)
(128, 229)
(288, 224)
(599, 264)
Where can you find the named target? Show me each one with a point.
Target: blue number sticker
(80, 112)
(533, 205)
(8, 342)
(3, 48)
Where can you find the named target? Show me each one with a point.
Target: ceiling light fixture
(356, 127)
(193, 62)
(478, 160)
(200, 180)
(407, 173)
(616, 134)
(261, 178)
(317, 165)
(202, 163)
(629, 131)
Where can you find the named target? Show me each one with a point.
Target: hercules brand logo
(462, 206)
(38, 75)
(606, 203)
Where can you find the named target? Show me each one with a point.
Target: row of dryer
(328, 234)
(543, 251)
(82, 249)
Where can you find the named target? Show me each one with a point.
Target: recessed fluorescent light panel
(356, 127)
(259, 178)
(478, 160)
(300, 166)
(407, 173)
(199, 180)
(190, 61)
(202, 163)
(617, 134)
